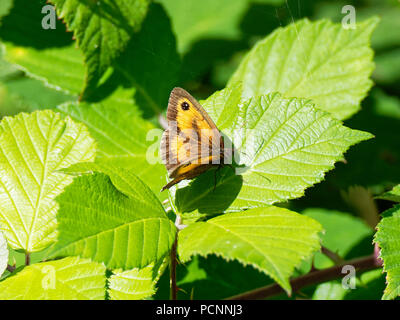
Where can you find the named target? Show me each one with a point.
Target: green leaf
(46, 55)
(59, 68)
(102, 28)
(3, 254)
(314, 60)
(273, 240)
(388, 239)
(282, 147)
(369, 286)
(26, 95)
(121, 137)
(332, 290)
(137, 283)
(123, 230)
(5, 8)
(150, 63)
(66, 279)
(32, 148)
(343, 233)
(193, 20)
(122, 179)
(393, 195)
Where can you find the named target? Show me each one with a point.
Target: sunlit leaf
(3, 254)
(122, 138)
(314, 60)
(282, 147)
(66, 279)
(123, 230)
(32, 148)
(137, 283)
(388, 239)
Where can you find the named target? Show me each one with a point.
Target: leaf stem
(313, 277)
(27, 258)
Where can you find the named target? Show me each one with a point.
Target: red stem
(314, 277)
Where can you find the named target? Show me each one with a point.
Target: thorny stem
(334, 257)
(314, 277)
(172, 266)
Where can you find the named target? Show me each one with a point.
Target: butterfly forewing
(192, 142)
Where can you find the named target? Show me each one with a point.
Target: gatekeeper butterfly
(192, 144)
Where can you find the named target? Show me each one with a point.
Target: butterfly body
(192, 144)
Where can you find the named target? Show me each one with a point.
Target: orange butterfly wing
(192, 143)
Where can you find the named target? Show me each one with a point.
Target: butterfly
(192, 143)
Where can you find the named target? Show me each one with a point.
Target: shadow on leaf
(210, 193)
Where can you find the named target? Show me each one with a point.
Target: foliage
(387, 237)
(82, 111)
(271, 239)
(33, 147)
(298, 62)
(69, 278)
(3, 254)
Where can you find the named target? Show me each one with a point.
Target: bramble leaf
(150, 63)
(273, 240)
(121, 137)
(392, 195)
(137, 283)
(27, 95)
(282, 146)
(3, 254)
(40, 65)
(102, 28)
(388, 239)
(65, 279)
(32, 148)
(369, 286)
(318, 60)
(46, 55)
(123, 230)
